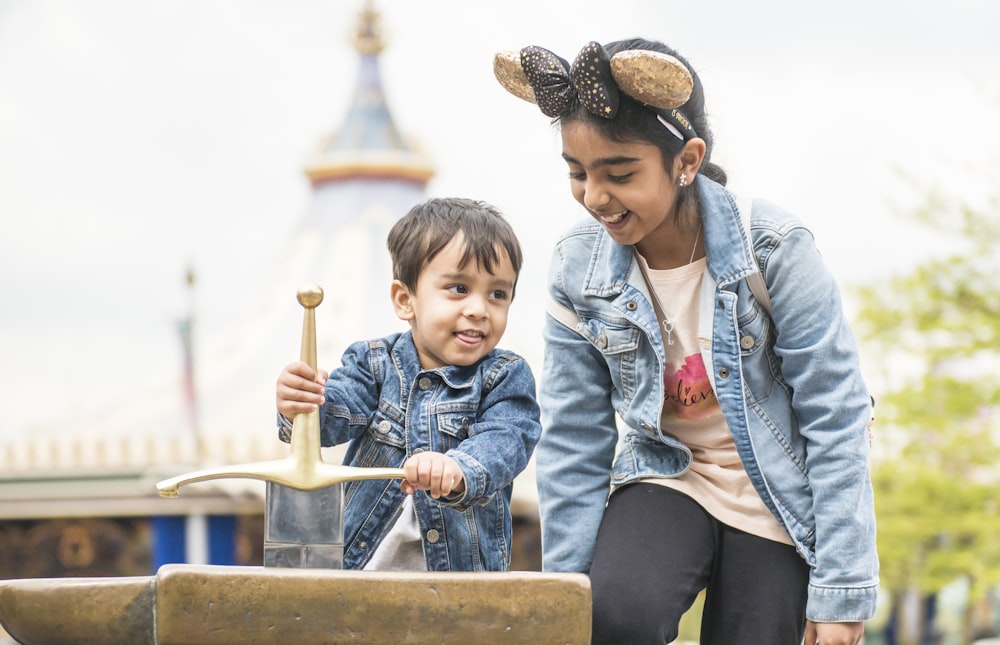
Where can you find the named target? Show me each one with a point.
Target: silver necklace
(665, 321)
(697, 236)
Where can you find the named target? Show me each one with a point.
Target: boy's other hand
(434, 472)
(300, 389)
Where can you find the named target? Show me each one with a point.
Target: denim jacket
(484, 416)
(789, 385)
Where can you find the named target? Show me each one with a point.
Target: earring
(683, 180)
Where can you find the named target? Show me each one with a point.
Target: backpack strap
(755, 280)
(561, 313)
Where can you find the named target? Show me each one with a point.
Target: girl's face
(624, 186)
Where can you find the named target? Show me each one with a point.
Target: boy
(440, 401)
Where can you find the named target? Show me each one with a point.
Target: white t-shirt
(402, 549)
(691, 413)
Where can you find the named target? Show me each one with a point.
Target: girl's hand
(434, 472)
(300, 389)
(834, 633)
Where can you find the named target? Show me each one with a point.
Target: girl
(741, 465)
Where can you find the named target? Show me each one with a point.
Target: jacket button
(746, 342)
(602, 341)
(433, 536)
(424, 383)
(384, 426)
(723, 372)
(363, 546)
(630, 305)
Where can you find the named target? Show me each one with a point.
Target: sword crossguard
(304, 468)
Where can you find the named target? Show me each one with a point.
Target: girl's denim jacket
(789, 385)
(484, 416)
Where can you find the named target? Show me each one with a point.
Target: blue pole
(168, 540)
(222, 539)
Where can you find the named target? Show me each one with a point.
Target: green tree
(933, 337)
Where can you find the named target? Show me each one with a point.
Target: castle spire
(368, 39)
(368, 143)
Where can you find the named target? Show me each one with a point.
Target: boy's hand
(300, 389)
(434, 472)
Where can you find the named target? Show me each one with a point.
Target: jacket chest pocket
(385, 441)
(618, 344)
(455, 425)
(610, 339)
(761, 366)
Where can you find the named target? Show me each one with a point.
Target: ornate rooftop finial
(368, 144)
(368, 39)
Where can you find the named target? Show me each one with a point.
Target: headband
(658, 81)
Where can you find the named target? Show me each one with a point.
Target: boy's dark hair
(420, 235)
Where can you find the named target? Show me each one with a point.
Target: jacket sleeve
(577, 448)
(352, 394)
(819, 361)
(506, 431)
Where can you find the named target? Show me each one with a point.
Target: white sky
(138, 138)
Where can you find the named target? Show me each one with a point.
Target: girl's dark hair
(420, 235)
(637, 122)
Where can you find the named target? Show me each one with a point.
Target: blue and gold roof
(368, 143)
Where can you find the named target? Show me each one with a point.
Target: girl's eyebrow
(604, 161)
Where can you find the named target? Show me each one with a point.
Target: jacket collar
(404, 355)
(727, 246)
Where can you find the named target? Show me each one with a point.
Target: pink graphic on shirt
(687, 392)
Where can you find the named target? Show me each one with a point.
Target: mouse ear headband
(594, 80)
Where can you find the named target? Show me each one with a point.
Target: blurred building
(84, 503)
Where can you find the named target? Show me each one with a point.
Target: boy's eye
(499, 294)
(458, 288)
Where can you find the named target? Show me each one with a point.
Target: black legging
(657, 548)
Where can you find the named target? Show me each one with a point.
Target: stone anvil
(217, 605)
(279, 605)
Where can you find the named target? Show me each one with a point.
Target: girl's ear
(402, 300)
(688, 161)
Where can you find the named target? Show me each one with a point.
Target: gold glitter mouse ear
(507, 68)
(656, 79)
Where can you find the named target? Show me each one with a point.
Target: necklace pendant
(668, 328)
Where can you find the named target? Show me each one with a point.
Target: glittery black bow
(559, 85)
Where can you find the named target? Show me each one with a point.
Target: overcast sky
(139, 138)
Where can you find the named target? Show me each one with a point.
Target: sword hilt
(304, 468)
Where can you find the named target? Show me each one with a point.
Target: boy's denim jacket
(789, 385)
(484, 416)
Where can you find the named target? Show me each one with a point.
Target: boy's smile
(457, 314)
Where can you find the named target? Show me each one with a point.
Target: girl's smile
(627, 188)
(623, 185)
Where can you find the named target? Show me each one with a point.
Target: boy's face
(457, 314)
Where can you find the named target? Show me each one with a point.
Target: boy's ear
(402, 300)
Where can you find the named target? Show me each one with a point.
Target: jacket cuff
(841, 604)
(284, 428)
